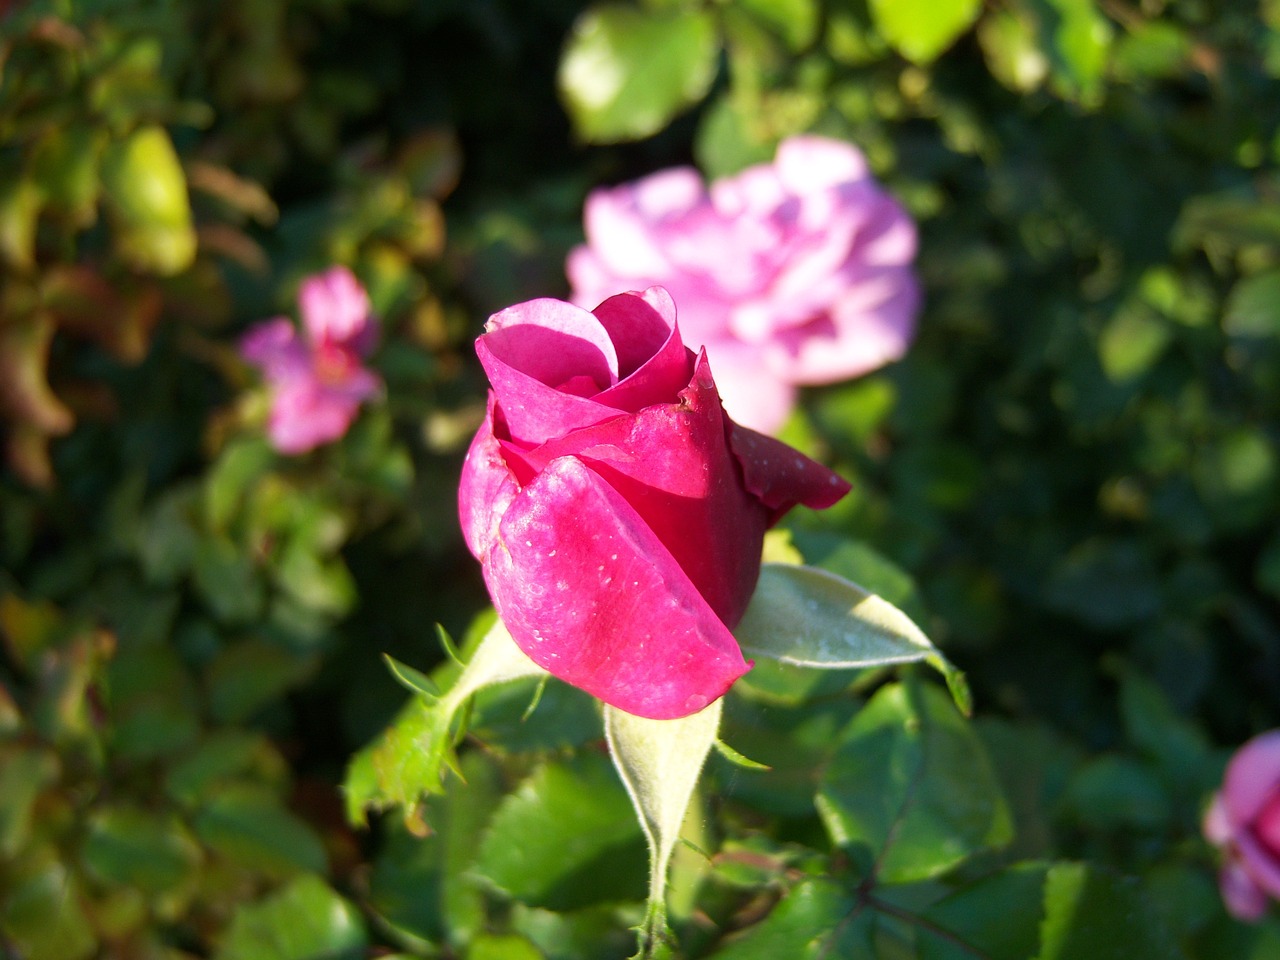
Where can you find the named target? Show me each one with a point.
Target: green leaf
(566, 838)
(25, 771)
(1093, 915)
(660, 762)
(304, 921)
(795, 20)
(627, 72)
(504, 947)
(811, 618)
(1115, 793)
(239, 464)
(424, 885)
(1131, 342)
(1253, 307)
(249, 825)
(1081, 43)
(41, 912)
(911, 783)
(817, 919)
(147, 192)
(250, 674)
(228, 581)
(997, 918)
(150, 851)
(920, 30)
(65, 166)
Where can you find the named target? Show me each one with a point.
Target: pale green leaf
(812, 618)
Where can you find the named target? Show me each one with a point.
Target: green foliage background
(1072, 481)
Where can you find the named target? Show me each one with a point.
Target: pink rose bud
(799, 272)
(1243, 820)
(617, 512)
(317, 377)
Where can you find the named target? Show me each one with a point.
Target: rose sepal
(390, 772)
(813, 618)
(659, 762)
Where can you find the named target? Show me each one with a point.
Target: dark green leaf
(250, 826)
(567, 838)
(816, 919)
(997, 918)
(911, 783)
(1091, 914)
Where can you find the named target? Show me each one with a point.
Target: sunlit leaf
(811, 618)
(626, 72)
(921, 30)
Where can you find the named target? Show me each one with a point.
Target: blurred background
(1071, 480)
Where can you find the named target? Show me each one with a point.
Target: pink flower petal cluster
(617, 512)
(795, 272)
(317, 377)
(1244, 821)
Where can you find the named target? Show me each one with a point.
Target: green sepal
(415, 681)
(407, 762)
(736, 758)
(660, 762)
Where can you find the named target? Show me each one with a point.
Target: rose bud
(617, 512)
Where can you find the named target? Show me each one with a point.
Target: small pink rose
(798, 272)
(617, 512)
(1243, 820)
(317, 377)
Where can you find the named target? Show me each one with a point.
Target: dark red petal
(780, 476)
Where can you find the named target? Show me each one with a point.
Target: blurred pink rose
(617, 513)
(1244, 821)
(799, 272)
(317, 377)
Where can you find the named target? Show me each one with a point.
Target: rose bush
(1244, 821)
(617, 511)
(799, 272)
(317, 378)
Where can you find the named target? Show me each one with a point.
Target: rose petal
(806, 163)
(591, 595)
(1244, 899)
(782, 477)
(305, 415)
(856, 336)
(1252, 777)
(485, 489)
(653, 361)
(334, 306)
(1260, 862)
(672, 464)
(1216, 826)
(623, 224)
(275, 347)
(552, 341)
(533, 349)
